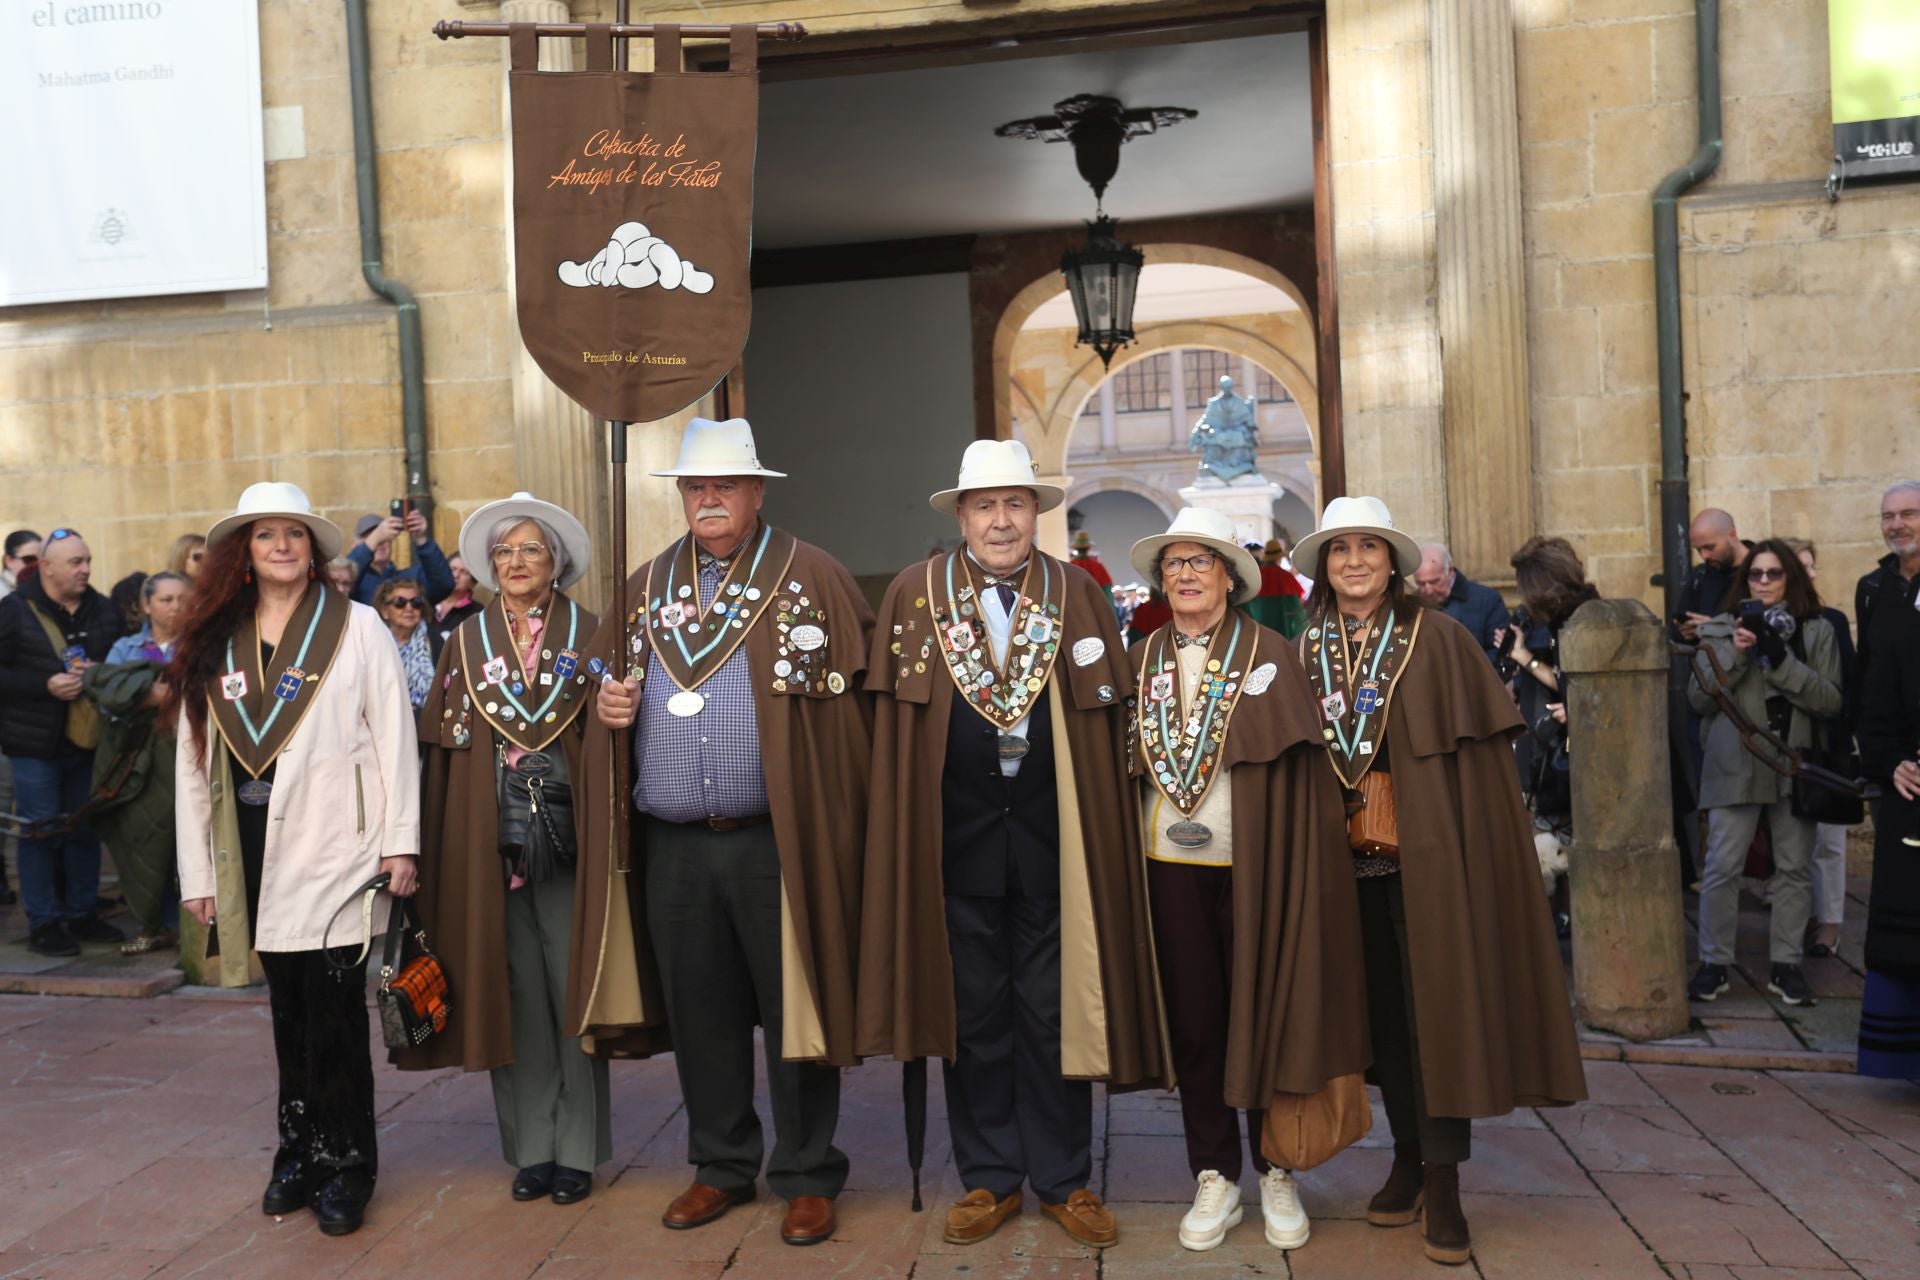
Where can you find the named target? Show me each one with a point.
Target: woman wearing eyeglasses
(296, 780)
(23, 552)
(1782, 666)
(502, 729)
(403, 607)
(188, 554)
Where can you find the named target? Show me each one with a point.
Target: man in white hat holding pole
(736, 663)
(1005, 928)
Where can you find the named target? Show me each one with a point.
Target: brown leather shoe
(700, 1204)
(977, 1215)
(809, 1220)
(1086, 1219)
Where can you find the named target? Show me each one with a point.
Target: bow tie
(1181, 640)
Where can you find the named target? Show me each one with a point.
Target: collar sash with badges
(527, 709)
(1181, 746)
(257, 707)
(1002, 692)
(1354, 683)
(694, 641)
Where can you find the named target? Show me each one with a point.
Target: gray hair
(1438, 549)
(151, 587)
(1899, 485)
(507, 524)
(1235, 583)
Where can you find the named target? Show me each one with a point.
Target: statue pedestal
(1248, 502)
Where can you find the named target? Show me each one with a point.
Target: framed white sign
(130, 149)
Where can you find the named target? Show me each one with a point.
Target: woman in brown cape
(501, 727)
(1465, 993)
(1256, 928)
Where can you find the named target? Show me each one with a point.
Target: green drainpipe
(1675, 502)
(413, 396)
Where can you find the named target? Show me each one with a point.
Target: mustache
(711, 513)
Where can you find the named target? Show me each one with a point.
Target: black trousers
(1193, 940)
(322, 1046)
(713, 906)
(1012, 1118)
(1396, 1042)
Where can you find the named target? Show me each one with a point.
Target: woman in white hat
(296, 782)
(1465, 995)
(502, 728)
(1255, 927)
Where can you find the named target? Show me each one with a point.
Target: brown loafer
(1086, 1219)
(809, 1220)
(700, 1204)
(977, 1215)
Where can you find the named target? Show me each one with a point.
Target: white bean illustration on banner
(635, 258)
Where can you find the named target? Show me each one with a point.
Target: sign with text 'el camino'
(130, 144)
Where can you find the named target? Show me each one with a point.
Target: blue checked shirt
(702, 766)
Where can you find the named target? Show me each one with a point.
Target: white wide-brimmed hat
(1209, 528)
(1358, 515)
(998, 464)
(287, 501)
(523, 506)
(712, 448)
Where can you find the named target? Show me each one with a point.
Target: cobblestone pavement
(138, 1133)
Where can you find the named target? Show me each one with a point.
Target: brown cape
(814, 747)
(1297, 1013)
(462, 901)
(1489, 991)
(1110, 1016)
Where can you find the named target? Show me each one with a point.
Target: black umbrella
(913, 1092)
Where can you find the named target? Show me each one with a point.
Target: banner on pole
(1874, 50)
(633, 221)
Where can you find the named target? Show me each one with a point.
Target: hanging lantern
(1102, 276)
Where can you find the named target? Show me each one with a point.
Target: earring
(249, 573)
(311, 572)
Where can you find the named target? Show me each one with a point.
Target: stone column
(1177, 397)
(562, 448)
(1629, 942)
(1482, 307)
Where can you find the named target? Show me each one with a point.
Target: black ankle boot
(295, 1178)
(341, 1201)
(1398, 1202)
(1447, 1240)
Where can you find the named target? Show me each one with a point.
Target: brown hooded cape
(462, 901)
(1297, 1013)
(814, 748)
(1110, 1017)
(1489, 990)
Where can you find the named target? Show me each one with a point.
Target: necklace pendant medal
(1367, 699)
(1334, 705)
(686, 703)
(1013, 747)
(1188, 834)
(254, 792)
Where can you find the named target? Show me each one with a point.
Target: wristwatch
(1533, 664)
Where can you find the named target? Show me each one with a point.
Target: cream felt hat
(998, 464)
(524, 506)
(1210, 529)
(710, 448)
(288, 501)
(1358, 515)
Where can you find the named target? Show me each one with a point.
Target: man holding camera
(372, 554)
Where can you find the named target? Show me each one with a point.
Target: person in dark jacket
(1477, 608)
(372, 555)
(1890, 582)
(53, 628)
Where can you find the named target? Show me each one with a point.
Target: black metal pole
(617, 455)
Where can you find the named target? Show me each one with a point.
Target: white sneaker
(1280, 1206)
(1216, 1211)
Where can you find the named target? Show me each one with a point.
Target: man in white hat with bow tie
(737, 665)
(1005, 928)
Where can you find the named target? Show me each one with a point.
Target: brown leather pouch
(1307, 1129)
(1373, 826)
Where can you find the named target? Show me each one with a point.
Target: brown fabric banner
(633, 220)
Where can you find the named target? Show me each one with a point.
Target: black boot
(341, 1201)
(295, 1179)
(1398, 1202)
(1447, 1240)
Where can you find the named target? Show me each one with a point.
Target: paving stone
(1798, 1273)
(1528, 1237)
(963, 1267)
(1719, 1218)
(1145, 1168)
(1832, 1025)
(1522, 1162)
(1340, 1188)
(1636, 1139)
(1881, 1113)
(95, 1264)
(1750, 1033)
(1861, 1206)
(1150, 1245)
(1341, 1249)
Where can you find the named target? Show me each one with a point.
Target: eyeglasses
(407, 602)
(1765, 575)
(502, 552)
(1202, 563)
(58, 534)
(26, 560)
